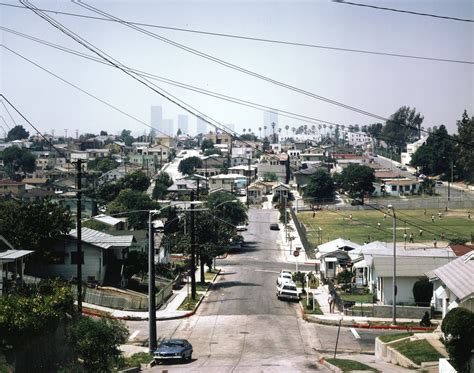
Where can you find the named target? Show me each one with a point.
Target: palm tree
(279, 134)
(260, 131)
(287, 127)
(244, 131)
(313, 129)
(293, 129)
(273, 132)
(265, 131)
(249, 130)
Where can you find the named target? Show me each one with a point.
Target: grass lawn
(136, 359)
(363, 226)
(358, 298)
(348, 365)
(417, 351)
(309, 309)
(202, 286)
(189, 304)
(393, 337)
(209, 275)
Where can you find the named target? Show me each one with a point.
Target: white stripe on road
(354, 332)
(134, 335)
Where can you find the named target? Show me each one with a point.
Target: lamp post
(394, 220)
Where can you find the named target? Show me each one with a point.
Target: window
(394, 188)
(74, 257)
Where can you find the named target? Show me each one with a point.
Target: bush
(97, 342)
(458, 329)
(423, 291)
(344, 277)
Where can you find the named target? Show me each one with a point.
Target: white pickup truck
(287, 290)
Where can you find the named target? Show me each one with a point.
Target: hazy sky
(378, 84)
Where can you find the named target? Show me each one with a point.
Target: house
(166, 141)
(265, 185)
(453, 284)
(11, 264)
(228, 182)
(239, 160)
(110, 177)
(313, 155)
(277, 164)
(183, 186)
(397, 187)
(303, 176)
(281, 190)
(249, 172)
(11, 187)
(333, 256)
(219, 138)
(411, 149)
(111, 222)
(102, 254)
(374, 268)
(255, 193)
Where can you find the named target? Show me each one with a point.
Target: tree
(321, 185)
(207, 144)
(435, 156)
(357, 180)
(136, 180)
(188, 165)
(270, 176)
(248, 137)
(126, 137)
(33, 225)
(458, 329)
(17, 133)
(102, 165)
(464, 149)
(266, 144)
(224, 206)
(179, 133)
(212, 151)
(97, 342)
(131, 200)
(103, 133)
(162, 182)
(18, 159)
(108, 192)
(136, 264)
(423, 292)
(402, 127)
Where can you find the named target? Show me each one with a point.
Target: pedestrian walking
(378, 225)
(421, 232)
(331, 302)
(384, 216)
(432, 218)
(439, 215)
(405, 236)
(425, 212)
(314, 214)
(411, 238)
(442, 236)
(469, 215)
(435, 243)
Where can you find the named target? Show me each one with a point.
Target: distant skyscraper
(156, 118)
(201, 126)
(269, 118)
(168, 127)
(183, 124)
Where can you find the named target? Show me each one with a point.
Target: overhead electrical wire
(256, 39)
(160, 91)
(8, 112)
(251, 73)
(404, 11)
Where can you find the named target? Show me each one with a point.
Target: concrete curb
(92, 312)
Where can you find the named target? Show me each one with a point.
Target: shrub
(423, 291)
(344, 277)
(458, 329)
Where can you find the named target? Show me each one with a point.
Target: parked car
(274, 227)
(287, 290)
(439, 182)
(173, 349)
(241, 228)
(284, 277)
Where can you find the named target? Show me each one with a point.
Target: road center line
(354, 332)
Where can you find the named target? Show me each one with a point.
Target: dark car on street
(274, 227)
(173, 349)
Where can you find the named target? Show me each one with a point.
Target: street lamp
(394, 220)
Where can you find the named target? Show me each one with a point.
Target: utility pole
(151, 287)
(79, 234)
(193, 250)
(248, 182)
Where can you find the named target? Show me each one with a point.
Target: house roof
(457, 275)
(101, 239)
(407, 266)
(109, 220)
(401, 181)
(280, 186)
(460, 250)
(336, 244)
(377, 248)
(11, 255)
(10, 182)
(307, 171)
(228, 176)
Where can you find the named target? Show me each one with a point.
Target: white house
(110, 176)
(334, 255)
(454, 284)
(100, 252)
(411, 149)
(225, 181)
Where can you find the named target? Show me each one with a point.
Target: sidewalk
(168, 311)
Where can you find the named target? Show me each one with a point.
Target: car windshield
(289, 288)
(285, 275)
(171, 344)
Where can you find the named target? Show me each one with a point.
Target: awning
(360, 264)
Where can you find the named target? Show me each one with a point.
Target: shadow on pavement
(229, 284)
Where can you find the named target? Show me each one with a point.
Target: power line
(404, 11)
(257, 39)
(251, 73)
(8, 112)
(32, 125)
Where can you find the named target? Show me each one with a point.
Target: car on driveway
(173, 349)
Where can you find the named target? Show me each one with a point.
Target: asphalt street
(242, 326)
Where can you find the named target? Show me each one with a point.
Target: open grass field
(363, 226)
